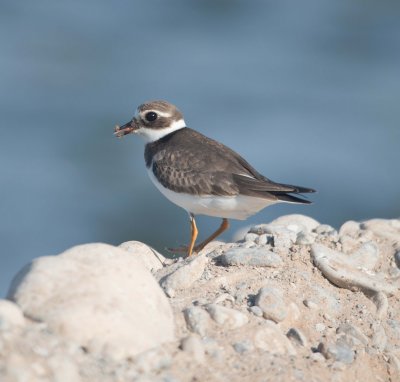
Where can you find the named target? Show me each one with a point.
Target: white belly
(234, 207)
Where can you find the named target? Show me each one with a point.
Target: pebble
(197, 320)
(397, 259)
(305, 238)
(350, 228)
(258, 257)
(224, 297)
(296, 223)
(185, 276)
(382, 304)
(340, 352)
(213, 349)
(310, 304)
(379, 338)
(269, 338)
(251, 237)
(325, 230)
(284, 239)
(152, 360)
(320, 327)
(10, 315)
(356, 334)
(256, 310)
(243, 347)
(194, 347)
(270, 301)
(297, 336)
(264, 239)
(229, 318)
(342, 271)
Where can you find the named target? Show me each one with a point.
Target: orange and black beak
(126, 129)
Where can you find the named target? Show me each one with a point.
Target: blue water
(308, 93)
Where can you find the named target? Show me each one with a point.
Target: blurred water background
(307, 91)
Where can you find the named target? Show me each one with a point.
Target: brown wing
(185, 168)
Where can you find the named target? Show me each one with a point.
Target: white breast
(235, 207)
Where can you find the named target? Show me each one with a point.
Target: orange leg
(222, 228)
(194, 232)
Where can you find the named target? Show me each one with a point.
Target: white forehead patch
(152, 135)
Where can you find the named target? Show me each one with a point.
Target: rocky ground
(292, 300)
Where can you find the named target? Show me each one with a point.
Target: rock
(150, 258)
(310, 304)
(382, 305)
(213, 349)
(284, 239)
(296, 223)
(269, 338)
(224, 297)
(251, 237)
(10, 315)
(256, 310)
(281, 231)
(397, 259)
(243, 347)
(197, 320)
(394, 367)
(152, 360)
(379, 338)
(388, 229)
(99, 296)
(305, 238)
(350, 228)
(297, 336)
(320, 327)
(357, 336)
(341, 270)
(264, 239)
(366, 256)
(257, 257)
(194, 347)
(325, 230)
(229, 318)
(183, 277)
(270, 301)
(340, 352)
(64, 369)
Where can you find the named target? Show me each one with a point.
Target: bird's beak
(128, 128)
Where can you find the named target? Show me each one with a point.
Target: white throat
(152, 135)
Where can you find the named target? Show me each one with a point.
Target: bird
(201, 175)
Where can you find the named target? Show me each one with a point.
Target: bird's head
(153, 120)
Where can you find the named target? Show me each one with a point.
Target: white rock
(270, 301)
(194, 347)
(151, 259)
(296, 223)
(350, 228)
(297, 336)
(382, 305)
(10, 315)
(343, 271)
(229, 318)
(96, 294)
(269, 338)
(197, 320)
(182, 278)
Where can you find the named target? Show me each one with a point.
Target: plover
(199, 174)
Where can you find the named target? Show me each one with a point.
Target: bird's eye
(151, 116)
